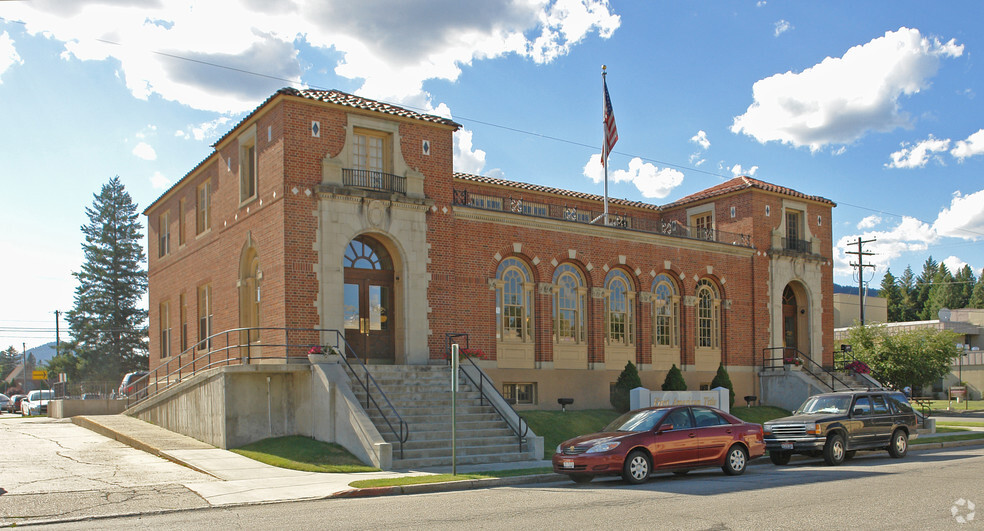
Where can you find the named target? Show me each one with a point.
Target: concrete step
(491, 444)
(421, 399)
(444, 433)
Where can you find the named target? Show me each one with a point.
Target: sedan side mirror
(664, 427)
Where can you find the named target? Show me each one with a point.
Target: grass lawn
(950, 429)
(304, 453)
(759, 414)
(441, 478)
(966, 436)
(557, 426)
(939, 406)
(961, 424)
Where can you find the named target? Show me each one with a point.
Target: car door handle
(727, 431)
(692, 435)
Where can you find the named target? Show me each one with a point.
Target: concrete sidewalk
(247, 481)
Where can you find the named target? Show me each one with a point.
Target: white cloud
(974, 145)
(701, 139)
(8, 54)
(737, 170)
(953, 264)
(159, 181)
(909, 235)
(782, 26)
(918, 155)
(869, 222)
(650, 180)
(144, 151)
(206, 130)
(841, 99)
(964, 218)
(467, 159)
(391, 46)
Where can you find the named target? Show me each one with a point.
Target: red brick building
(323, 210)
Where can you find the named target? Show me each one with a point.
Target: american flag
(611, 133)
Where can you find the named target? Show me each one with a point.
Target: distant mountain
(853, 290)
(44, 353)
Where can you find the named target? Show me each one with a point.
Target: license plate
(787, 446)
(568, 464)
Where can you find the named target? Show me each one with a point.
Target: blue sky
(875, 105)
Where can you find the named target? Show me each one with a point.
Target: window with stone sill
(514, 302)
(570, 300)
(708, 315)
(666, 312)
(619, 302)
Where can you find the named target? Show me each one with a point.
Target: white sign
(718, 397)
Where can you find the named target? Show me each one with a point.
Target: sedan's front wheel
(636, 468)
(735, 462)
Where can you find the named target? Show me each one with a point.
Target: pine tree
(721, 379)
(977, 297)
(674, 380)
(893, 296)
(627, 381)
(964, 282)
(942, 294)
(107, 324)
(907, 292)
(923, 284)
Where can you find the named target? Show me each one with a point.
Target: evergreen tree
(942, 294)
(107, 324)
(923, 283)
(907, 292)
(721, 379)
(964, 282)
(627, 381)
(977, 297)
(892, 295)
(674, 380)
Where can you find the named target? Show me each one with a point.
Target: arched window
(708, 315)
(570, 297)
(515, 301)
(666, 312)
(618, 309)
(366, 253)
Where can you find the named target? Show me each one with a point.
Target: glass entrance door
(367, 310)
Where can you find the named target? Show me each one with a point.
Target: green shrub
(721, 379)
(627, 381)
(674, 380)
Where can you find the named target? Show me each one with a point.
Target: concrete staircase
(422, 396)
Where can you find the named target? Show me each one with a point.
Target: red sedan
(675, 439)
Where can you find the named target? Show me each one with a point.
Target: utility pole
(861, 265)
(57, 339)
(24, 371)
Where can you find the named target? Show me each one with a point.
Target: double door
(368, 314)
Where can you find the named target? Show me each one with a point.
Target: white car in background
(36, 402)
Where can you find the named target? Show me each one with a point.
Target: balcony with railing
(525, 207)
(374, 180)
(797, 246)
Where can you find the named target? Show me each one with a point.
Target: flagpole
(604, 153)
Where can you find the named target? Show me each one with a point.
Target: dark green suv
(836, 425)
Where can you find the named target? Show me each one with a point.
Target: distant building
(847, 310)
(326, 210)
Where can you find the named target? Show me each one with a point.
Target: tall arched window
(708, 315)
(618, 309)
(666, 312)
(515, 301)
(570, 297)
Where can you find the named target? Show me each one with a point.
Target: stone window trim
(570, 303)
(708, 315)
(515, 305)
(619, 313)
(665, 300)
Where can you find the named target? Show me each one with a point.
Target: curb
(449, 486)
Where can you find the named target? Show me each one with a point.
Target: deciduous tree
(899, 358)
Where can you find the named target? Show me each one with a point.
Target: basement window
(519, 393)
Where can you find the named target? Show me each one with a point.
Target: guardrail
(795, 357)
(520, 427)
(239, 346)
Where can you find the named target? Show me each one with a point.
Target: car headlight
(812, 429)
(559, 449)
(603, 447)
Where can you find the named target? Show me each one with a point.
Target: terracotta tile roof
(742, 183)
(349, 100)
(554, 191)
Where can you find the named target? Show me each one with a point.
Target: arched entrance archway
(795, 333)
(368, 313)
(789, 335)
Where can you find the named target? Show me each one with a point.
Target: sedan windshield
(643, 420)
(825, 404)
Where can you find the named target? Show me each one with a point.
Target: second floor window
(203, 221)
(369, 151)
(247, 172)
(165, 330)
(164, 231)
(702, 226)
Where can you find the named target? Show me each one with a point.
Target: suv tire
(899, 445)
(833, 451)
(780, 458)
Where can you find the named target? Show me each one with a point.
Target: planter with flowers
(326, 354)
(792, 362)
(474, 353)
(858, 367)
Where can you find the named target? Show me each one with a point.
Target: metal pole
(604, 127)
(454, 399)
(24, 372)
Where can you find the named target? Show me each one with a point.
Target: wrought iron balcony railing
(518, 205)
(374, 180)
(799, 246)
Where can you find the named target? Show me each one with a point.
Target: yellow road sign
(39, 375)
